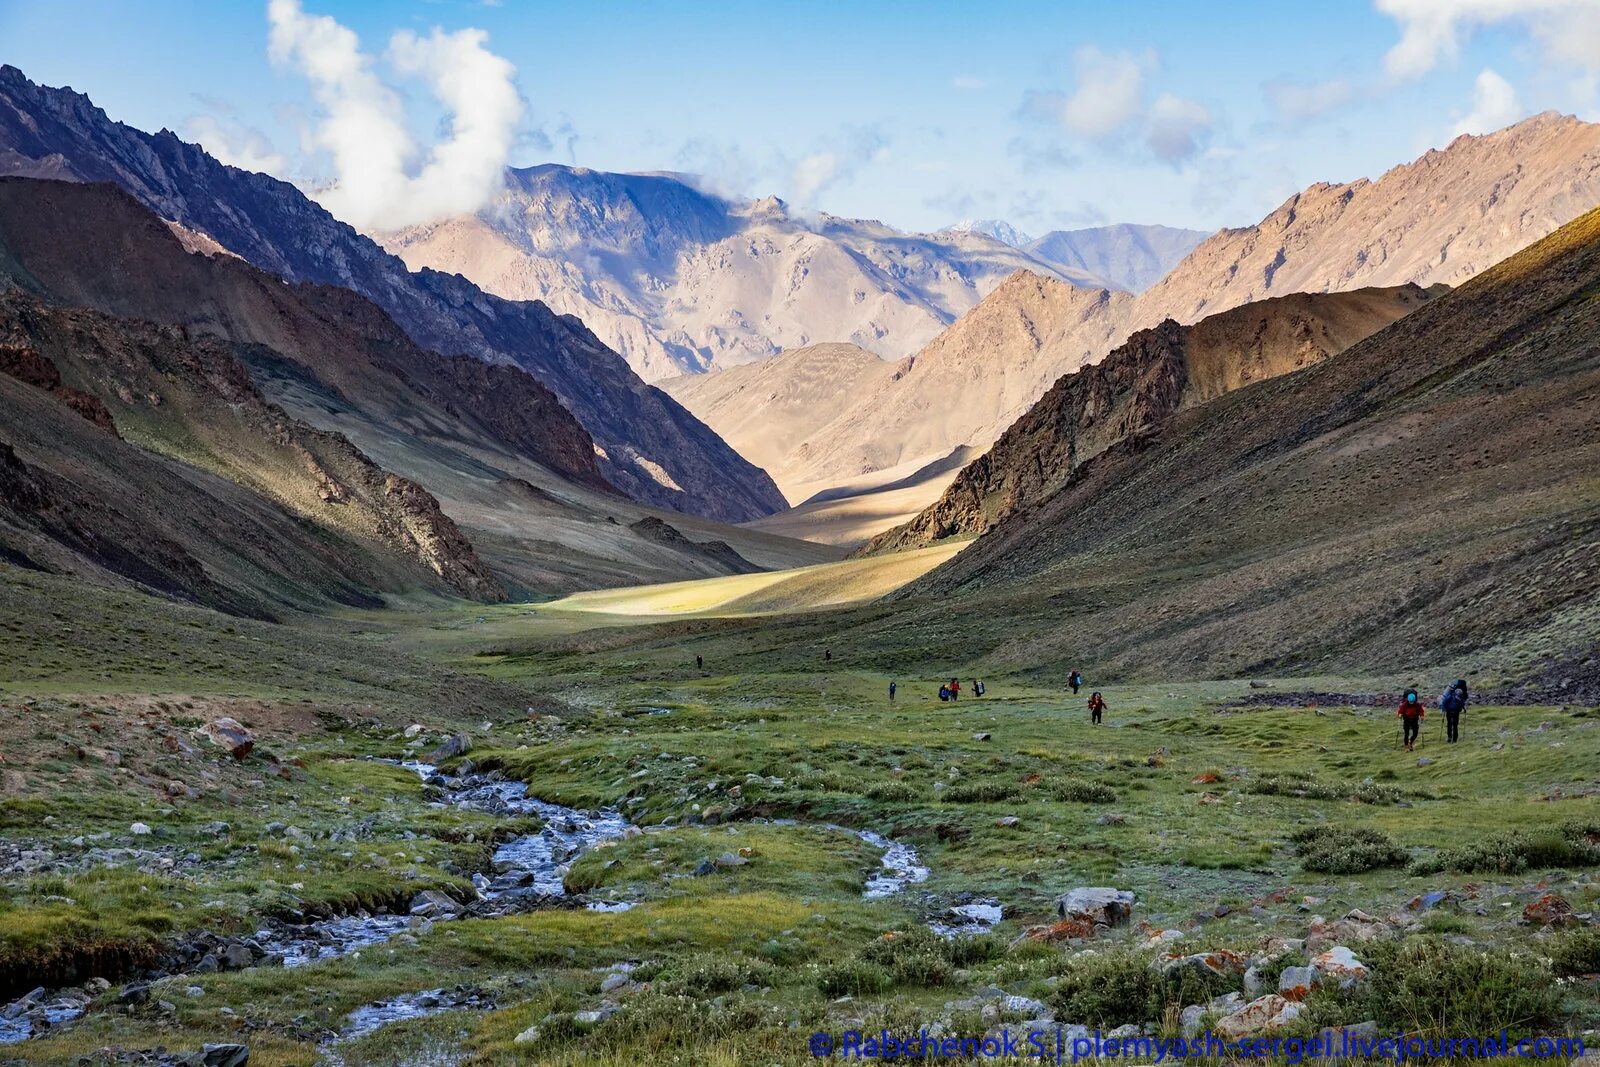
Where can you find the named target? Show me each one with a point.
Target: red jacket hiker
(1410, 712)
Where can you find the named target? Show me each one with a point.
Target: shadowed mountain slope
(1137, 388)
(1429, 496)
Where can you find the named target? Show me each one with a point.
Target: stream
(527, 871)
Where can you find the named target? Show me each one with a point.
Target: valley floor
(759, 905)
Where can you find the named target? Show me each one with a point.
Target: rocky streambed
(527, 872)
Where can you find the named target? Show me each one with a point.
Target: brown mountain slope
(1441, 218)
(653, 449)
(765, 409)
(95, 246)
(464, 429)
(1430, 496)
(1146, 381)
(969, 383)
(188, 398)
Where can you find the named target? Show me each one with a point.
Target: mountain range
(1441, 218)
(648, 446)
(680, 280)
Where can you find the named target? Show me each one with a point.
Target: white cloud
(377, 183)
(835, 163)
(1108, 95)
(1494, 104)
(1177, 127)
(968, 82)
(1304, 101)
(1433, 30)
(236, 145)
(1107, 104)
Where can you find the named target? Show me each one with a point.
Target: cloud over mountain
(381, 176)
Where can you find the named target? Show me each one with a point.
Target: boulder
(1218, 963)
(1295, 983)
(225, 1055)
(432, 902)
(413, 730)
(1550, 909)
(527, 1037)
(1338, 966)
(1101, 906)
(1260, 1016)
(452, 746)
(229, 734)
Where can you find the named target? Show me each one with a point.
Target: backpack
(1452, 700)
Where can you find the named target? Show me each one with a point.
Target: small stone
(527, 1037)
(139, 829)
(982, 735)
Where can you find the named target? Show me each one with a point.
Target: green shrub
(1576, 953)
(709, 974)
(1120, 986)
(1572, 844)
(1078, 791)
(893, 791)
(1304, 785)
(1347, 850)
(851, 977)
(1422, 984)
(982, 792)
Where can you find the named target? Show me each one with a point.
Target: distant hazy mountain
(680, 281)
(999, 229)
(1126, 255)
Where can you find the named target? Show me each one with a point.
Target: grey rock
(1100, 905)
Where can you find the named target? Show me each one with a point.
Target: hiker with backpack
(1075, 680)
(977, 687)
(955, 689)
(892, 688)
(1410, 712)
(1097, 707)
(1453, 701)
(944, 693)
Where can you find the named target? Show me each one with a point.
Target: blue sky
(1049, 115)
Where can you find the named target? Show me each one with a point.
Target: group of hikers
(951, 690)
(1453, 701)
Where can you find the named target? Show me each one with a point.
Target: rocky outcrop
(1136, 389)
(651, 448)
(23, 362)
(720, 554)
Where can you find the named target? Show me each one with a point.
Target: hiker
(955, 689)
(1411, 712)
(977, 687)
(827, 655)
(1097, 707)
(891, 692)
(699, 663)
(944, 692)
(1075, 680)
(1453, 701)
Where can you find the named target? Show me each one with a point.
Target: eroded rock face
(22, 361)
